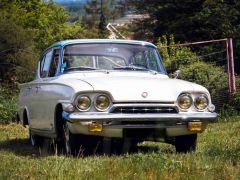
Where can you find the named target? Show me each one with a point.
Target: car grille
(144, 110)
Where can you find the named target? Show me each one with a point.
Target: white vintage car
(114, 92)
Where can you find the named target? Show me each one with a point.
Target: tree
(172, 17)
(221, 19)
(92, 13)
(191, 20)
(16, 47)
(103, 32)
(99, 12)
(26, 28)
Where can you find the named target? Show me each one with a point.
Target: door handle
(37, 88)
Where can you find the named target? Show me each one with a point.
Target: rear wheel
(116, 146)
(186, 143)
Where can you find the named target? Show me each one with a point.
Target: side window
(49, 64)
(54, 63)
(151, 56)
(41, 65)
(45, 64)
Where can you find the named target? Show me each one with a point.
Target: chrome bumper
(78, 117)
(115, 124)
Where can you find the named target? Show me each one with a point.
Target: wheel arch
(58, 120)
(25, 117)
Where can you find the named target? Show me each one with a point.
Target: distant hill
(76, 9)
(70, 1)
(72, 6)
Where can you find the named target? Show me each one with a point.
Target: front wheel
(71, 144)
(35, 140)
(119, 146)
(66, 142)
(186, 143)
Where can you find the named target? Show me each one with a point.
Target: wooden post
(231, 73)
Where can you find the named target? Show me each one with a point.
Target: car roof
(84, 41)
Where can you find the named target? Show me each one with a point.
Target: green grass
(217, 157)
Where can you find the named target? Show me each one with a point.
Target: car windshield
(111, 56)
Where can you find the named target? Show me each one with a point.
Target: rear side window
(49, 63)
(45, 64)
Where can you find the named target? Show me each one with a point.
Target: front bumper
(115, 124)
(78, 117)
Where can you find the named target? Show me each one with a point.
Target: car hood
(129, 87)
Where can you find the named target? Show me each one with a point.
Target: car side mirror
(177, 74)
(63, 67)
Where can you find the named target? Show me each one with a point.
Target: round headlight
(185, 101)
(83, 103)
(102, 102)
(201, 102)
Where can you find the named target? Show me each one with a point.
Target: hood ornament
(144, 94)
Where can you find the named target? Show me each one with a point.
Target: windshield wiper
(81, 68)
(134, 68)
(130, 68)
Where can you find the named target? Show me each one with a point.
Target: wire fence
(214, 75)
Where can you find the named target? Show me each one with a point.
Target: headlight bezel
(201, 96)
(77, 104)
(95, 102)
(93, 97)
(185, 95)
(194, 107)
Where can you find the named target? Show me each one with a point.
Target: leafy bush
(212, 77)
(237, 100)
(233, 106)
(236, 97)
(8, 105)
(176, 57)
(194, 69)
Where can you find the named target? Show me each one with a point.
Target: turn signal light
(95, 127)
(195, 126)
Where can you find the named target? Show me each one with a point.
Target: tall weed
(8, 104)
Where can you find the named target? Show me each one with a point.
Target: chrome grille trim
(143, 108)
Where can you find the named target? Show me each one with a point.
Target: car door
(44, 90)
